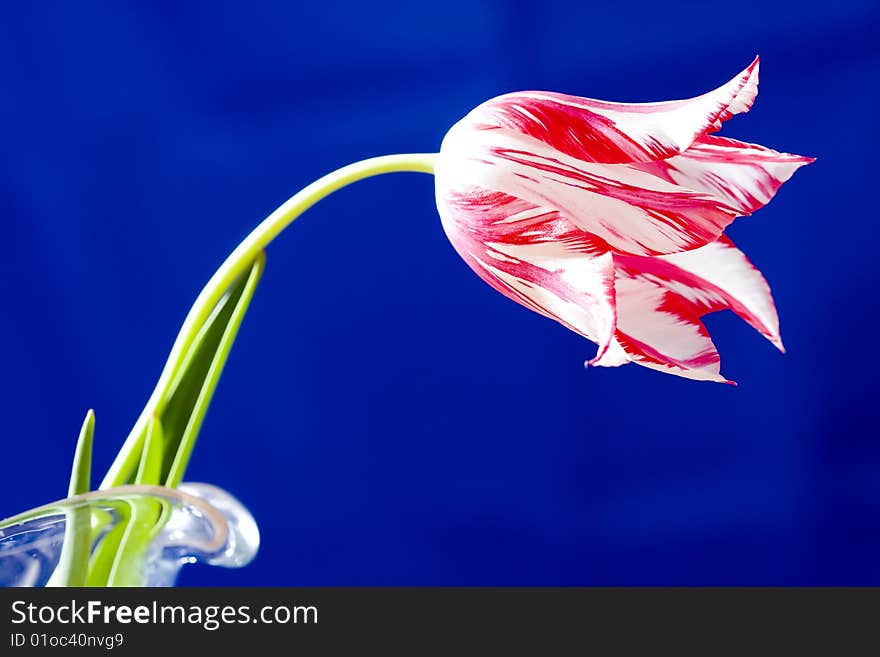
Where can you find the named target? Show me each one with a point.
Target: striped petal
(715, 277)
(632, 210)
(661, 330)
(741, 176)
(535, 257)
(596, 162)
(611, 133)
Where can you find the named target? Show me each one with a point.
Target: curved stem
(234, 266)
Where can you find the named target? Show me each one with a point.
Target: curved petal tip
(776, 340)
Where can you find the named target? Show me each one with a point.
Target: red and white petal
(657, 328)
(737, 174)
(598, 131)
(632, 210)
(568, 287)
(714, 277)
(536, 258)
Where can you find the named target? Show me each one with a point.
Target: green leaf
(150, 468)
(183, 391)
(81, 473)
(73, 562)
(164, 446)
(145, 518)
(105, 551)
(190, 397)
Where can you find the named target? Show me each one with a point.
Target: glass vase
(126, 536)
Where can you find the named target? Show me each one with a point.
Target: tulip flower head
(609, 217)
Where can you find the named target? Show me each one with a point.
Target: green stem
(234, 266)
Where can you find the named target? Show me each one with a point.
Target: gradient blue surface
(387, 417)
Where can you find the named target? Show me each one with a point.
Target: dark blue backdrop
(387, 417)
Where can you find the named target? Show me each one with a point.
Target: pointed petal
(633, 211)
(739, 175)
(598, 131)
(535, 257)
(715, 277)
(543, 149)
(661, 330)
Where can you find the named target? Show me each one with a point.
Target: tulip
(605, 217)
(608, 217)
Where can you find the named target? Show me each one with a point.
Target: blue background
(387, 417)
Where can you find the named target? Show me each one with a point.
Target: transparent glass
(193, 523)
